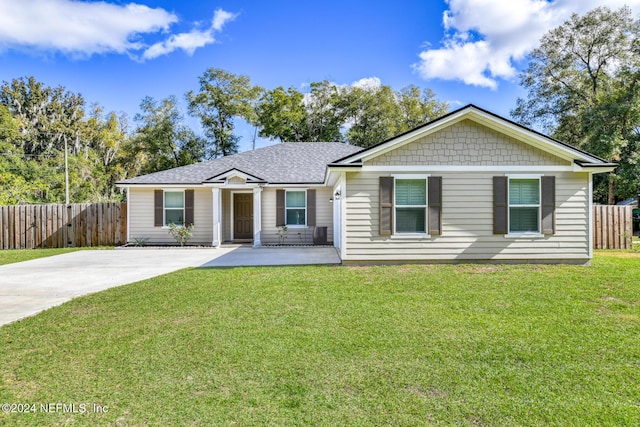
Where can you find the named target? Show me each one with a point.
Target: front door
(242, 216)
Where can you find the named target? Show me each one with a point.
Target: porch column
(257, 220)
(216, 208)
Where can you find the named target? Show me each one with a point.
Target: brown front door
(242, 216)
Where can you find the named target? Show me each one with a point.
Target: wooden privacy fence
(612, 227)
(60, 226)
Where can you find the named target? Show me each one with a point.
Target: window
(296, 207)
(524, 205)
(410, 205)
(174, 207)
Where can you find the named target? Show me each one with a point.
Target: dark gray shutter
(386, 205)
(280, 208)
(188, 207)
(500, 204)
(548, 204)
(158, 208)
(435, 204)
(311, 208)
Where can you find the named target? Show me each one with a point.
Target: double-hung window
(174, 207)
(296, 207)
(410, 206)
(524, 205)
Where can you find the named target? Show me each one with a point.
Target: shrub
(181, 233)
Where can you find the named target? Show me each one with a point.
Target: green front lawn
(401, 345)
(10, 256)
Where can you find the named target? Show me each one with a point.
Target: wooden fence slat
(59, 225)
(612, 227)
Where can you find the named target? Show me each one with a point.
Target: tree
(582, 84)
(47, 117)
(418, 107)
(290, 115)
(361, 116)
(372, 114)
(325, 116)
(162, 141)
(281, 114)
(376, 114)
(222, 97)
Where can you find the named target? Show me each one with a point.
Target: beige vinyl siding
(141, 217)
(467, 219)
(324, 217)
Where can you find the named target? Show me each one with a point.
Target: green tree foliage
(222, 97)
(372, 113)
(162, 140)
(361, 116)
(282, 114)
(290, 115)
(44, 120)
(582, 84)
(325, 116)
(15, 188)
(418, 107)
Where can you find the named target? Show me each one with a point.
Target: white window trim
(306, 206)
(164, 208)
(411, 235)
(524, 234)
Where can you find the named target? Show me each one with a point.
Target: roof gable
(235, 174)
(467, 143)
(484, 118)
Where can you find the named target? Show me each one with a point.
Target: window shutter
(311, 208)
(386, 205)
(280, 208)
(158, 208)
(435, 204)
(500, 204)
(548, 184)
(188, 207)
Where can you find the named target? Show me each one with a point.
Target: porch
(243, 214)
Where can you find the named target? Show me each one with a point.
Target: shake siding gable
(467, 144)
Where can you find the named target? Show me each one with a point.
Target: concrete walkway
(26, 288)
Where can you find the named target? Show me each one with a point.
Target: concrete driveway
(26, 288)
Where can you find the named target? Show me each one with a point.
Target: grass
(10, 256)
(395, 345)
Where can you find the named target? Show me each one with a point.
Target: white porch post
(216, 207)
(343, 216)
(257, 220)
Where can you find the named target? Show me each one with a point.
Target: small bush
(181, 233)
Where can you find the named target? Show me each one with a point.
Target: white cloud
(190, 41)
(484, 37)
(221, 17)
(367, 83)
(82, 28)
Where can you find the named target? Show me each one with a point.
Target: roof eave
(604, 167)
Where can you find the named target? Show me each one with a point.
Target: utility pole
(66, 173)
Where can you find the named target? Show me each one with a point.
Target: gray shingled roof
(288, 163)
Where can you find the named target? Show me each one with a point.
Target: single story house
(469, 186)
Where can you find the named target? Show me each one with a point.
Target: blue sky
(117, 52)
